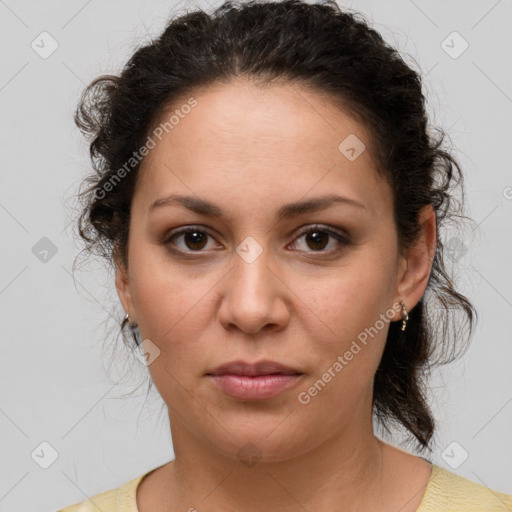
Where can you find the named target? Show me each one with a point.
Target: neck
(344, 472)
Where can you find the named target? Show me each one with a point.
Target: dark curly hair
(337, 55)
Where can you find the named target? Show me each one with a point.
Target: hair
(338, 56)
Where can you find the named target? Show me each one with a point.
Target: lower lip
(254, 388)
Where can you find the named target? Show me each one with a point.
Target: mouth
(245, 369)
(254, 381)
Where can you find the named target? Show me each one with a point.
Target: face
(313, 289)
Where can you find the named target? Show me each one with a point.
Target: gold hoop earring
(405, 315)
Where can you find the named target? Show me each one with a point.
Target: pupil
(196, 237)
(317, 236)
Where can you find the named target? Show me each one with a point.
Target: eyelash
(343, 241)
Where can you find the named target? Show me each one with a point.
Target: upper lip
(254, 369)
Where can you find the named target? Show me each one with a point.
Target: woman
(271, 196)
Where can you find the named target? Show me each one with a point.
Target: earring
(134, 330)
(405, 316)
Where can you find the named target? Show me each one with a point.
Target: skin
(250, 150)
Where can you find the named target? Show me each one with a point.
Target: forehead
(272, 143)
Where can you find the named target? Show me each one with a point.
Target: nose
(254, 297)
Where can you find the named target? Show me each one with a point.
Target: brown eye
(318, 238)
(195, 239)
(192, 240)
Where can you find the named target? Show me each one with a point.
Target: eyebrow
(203, 207)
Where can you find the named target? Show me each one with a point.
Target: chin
(268, 442)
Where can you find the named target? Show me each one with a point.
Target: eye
(193, 239)
(317, 238)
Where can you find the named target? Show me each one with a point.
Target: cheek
(165, 296)
(354, 309)
(353, 297)
(171, 312)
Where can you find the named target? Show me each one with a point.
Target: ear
(416, 264)
(123, 288)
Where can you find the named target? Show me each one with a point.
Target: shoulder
(121, 499)
(448, 491)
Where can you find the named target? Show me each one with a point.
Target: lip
(254, 381)
(261, 387)
(244, 368)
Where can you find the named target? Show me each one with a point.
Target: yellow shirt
(445, 492)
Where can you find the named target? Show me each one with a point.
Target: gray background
(54, 377)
